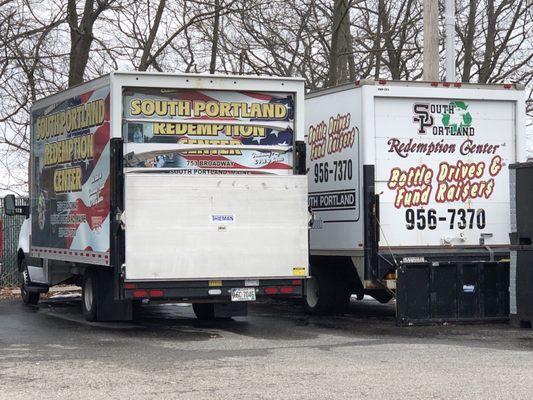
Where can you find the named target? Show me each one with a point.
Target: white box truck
(170, 188)
(407, 173)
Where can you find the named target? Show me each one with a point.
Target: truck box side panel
(335, 178)
(441, 169)
(70, 175)
(217, 227)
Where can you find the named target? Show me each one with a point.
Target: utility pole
(450, 40)
(431, 40)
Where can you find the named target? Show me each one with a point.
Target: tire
(28, 298)
(342, 300)
(88, 295)
(320, 298)
(204, 311)
(136, 311)
(343, 293)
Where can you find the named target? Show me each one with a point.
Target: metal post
(450, 40)
(431, 40)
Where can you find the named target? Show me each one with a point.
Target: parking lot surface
(277, 352)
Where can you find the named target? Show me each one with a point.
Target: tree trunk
(81, 36)
(485, 70)
(340, 67)
(377, 43)
(469, 41)
(146, 58)
(214, 44)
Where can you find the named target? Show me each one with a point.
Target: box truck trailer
(405, 174)
(167, 187)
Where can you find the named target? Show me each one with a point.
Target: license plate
(243, 294)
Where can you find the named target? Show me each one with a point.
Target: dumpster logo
(455, 119)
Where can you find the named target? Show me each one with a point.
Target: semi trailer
(166, 187)
(405, 179)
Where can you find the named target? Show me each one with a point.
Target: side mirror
(11, 208)
(9, 204)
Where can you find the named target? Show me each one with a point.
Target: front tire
(28, 298)
(88, 296)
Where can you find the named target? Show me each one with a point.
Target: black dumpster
(466, 291)
(521, 284)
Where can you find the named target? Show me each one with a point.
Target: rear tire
(88, 295)
(342, 300)
(136, 310)
(320, 296)
(28, 298)
(204, 311)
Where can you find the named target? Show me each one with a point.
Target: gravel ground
(50, 352)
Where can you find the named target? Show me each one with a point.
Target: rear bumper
(212, 291)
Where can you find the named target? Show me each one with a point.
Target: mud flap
(108, 309)
(437, 292)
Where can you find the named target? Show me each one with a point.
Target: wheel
(343, 293)
(320, 295)
(88, 295)
(204, 311)
(342, 299)
(136, 310)
(30, 298)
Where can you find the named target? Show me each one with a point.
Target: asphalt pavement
(278, 352)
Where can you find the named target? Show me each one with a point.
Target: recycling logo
(460, 120)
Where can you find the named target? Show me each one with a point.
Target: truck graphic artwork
(452, 178)
(330, 141)
(70, 208)
(238, 131)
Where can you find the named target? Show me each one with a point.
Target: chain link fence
(9, 234)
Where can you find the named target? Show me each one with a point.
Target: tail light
(156, 293)
(140, 293)
(286, 289)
